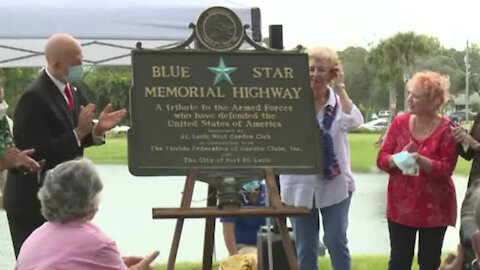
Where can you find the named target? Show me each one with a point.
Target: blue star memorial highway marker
(222, 72)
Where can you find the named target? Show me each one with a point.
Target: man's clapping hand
(108, 120)
(85, 121)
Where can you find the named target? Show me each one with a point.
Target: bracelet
(341, 85)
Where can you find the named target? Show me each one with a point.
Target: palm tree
(396, 57)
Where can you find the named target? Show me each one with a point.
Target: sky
(343, 23)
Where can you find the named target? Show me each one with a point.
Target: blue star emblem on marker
(222, 72)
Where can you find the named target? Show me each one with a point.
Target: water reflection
(125, 215)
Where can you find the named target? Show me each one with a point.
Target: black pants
(402, 246)
(21, 226)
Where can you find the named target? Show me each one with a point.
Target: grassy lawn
(363, 154)
(362, 149)
(363, 159)
(114, 151)
(359, 262)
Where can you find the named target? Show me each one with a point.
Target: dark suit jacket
(42, 121)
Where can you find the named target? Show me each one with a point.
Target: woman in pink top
(69, 199)
(419, 154)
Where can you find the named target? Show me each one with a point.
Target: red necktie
(68, 93)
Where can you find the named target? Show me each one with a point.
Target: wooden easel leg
(273, 189)
(209, 239)
(186, 202)
(287, 244)
(282, 227)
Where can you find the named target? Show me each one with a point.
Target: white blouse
(301, 190)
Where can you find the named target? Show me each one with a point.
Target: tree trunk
(406, 77)
(392, 100)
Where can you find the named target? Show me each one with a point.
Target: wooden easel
(277, 210)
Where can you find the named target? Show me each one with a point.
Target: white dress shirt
(301, 190)
(60, 85)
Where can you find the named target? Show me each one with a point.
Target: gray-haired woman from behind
(68, 240)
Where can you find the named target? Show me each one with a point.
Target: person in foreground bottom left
(69, 200)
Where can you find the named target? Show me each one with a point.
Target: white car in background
(377, 124)
(120, 129)
(384, 113)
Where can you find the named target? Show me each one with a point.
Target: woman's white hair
(324, 53)
(70, 191)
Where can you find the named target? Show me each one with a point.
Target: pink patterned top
(73, 245)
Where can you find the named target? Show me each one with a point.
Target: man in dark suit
(52, 117)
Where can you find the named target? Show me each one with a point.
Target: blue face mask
(75, 73)
(404, 161)
(251, 186)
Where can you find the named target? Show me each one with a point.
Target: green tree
(446, 65)
(15, 81)
(475, 107)
(358, 77)
(396, 57)
(108, 85)
(474, 60)
(388, 71)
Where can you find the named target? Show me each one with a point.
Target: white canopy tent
(107, 29)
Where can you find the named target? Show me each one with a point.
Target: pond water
(127, 201)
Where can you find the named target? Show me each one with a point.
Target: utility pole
(467, 79)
